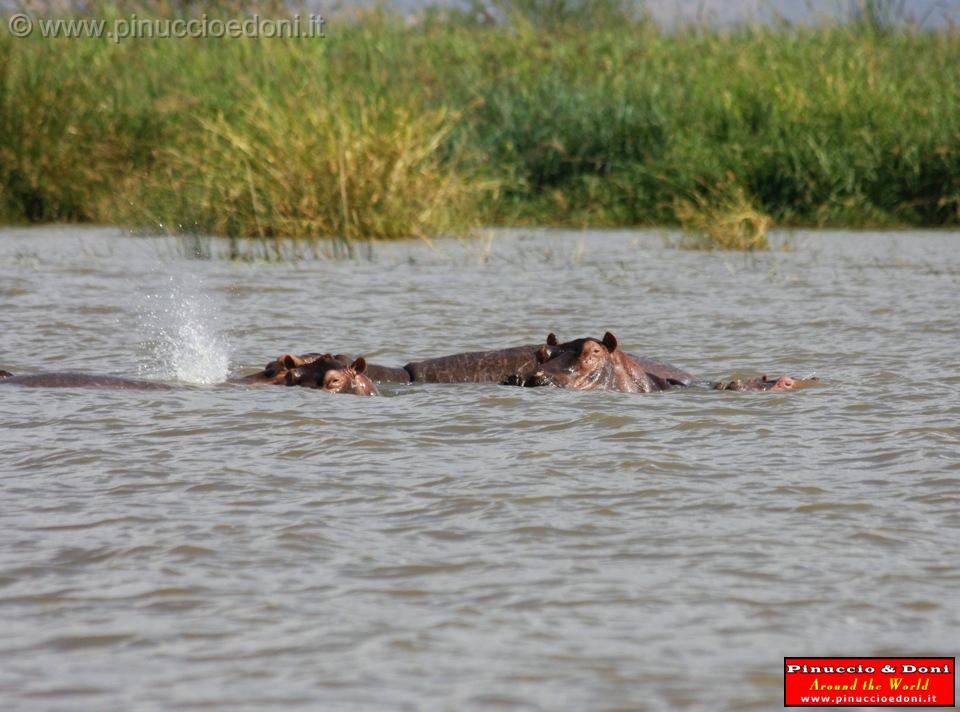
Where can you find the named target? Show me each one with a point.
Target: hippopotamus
(592, 364)
(588, 364)
(631, 373)
(784, 383)
(67, 379)
(276, 371)
(327, 372)
(512, 365)
(599, 364)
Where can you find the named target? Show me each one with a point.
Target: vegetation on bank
(389, 127)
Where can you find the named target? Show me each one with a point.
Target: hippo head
(581, 364)
(784, 383)
(5, 374)
(330, 374)
(275, 372)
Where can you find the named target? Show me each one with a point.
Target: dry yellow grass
(724, 219)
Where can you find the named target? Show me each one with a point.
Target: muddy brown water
(472, 547)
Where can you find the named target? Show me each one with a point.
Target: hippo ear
(551, 339)
(610, 341)
(360, 365)
(288, 361)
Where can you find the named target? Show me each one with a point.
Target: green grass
(584, 115)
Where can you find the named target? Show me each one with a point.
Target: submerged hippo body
(383, 374)
(513, 365)
(68, 379)
(663, 374)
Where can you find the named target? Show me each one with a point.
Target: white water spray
(182, 337)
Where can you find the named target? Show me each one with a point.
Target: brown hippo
(275, 372)
(784, 383)
(591, 364)
(330, 374)
(599, 364)
(647, 373)
(66, 379)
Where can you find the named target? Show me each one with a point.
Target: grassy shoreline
(387, 128)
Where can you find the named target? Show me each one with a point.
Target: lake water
(472, 547)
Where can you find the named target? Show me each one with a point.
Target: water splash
(183, 341)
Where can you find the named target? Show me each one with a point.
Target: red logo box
(869, 682)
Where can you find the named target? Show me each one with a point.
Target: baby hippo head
(334, 376)
(582, 364)
(784, 383)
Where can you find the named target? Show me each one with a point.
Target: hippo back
(502, 365)
(663, 372)
(82, 380)
(387, 374)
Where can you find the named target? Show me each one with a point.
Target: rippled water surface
(472, 547)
